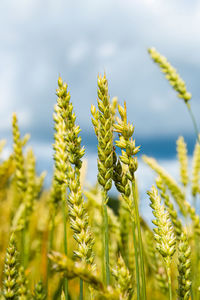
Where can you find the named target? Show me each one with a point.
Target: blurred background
(40, 40)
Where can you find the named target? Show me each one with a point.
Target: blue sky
(41, 40)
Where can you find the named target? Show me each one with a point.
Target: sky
(41, 40)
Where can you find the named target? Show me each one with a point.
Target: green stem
(136, 261)
(137, 219)
(169, 282)
(193, 121)
(103, 270)
(105, 217)
(81, 289)
(65, 236)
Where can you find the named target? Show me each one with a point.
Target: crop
(67, 241)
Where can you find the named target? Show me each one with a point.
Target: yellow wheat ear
(167, 179)
(2, 145)
(183, 160)
(177, 83)
(163, 233)
(196, 170)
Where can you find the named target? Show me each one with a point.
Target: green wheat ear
(167, 179)
(178, 227)
(163, 233)
(123, 279)
(183, 160)
(2, 145)
(196, 170)
(176, 82)
(74, 152)
(171, 74)
(10, 271)
(155, 262)
(184, 268)
(23, 293)
(18, 156)
(39, 291)
(105, 135)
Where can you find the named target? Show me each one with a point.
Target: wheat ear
(183, 160)
(184, 268)
(173, 187)
(10, 270)
(85, 272)
(175, 81)
(178, 227)
(156, 263)
(39, 291)
(163, 233)
(128, 151)
(195, 172)
(23, 293)
(77, 212)
(103, 126)
(123, 279)
(61, 158)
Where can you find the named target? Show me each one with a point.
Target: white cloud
(40, 41)
(107, 50)
(77, 52)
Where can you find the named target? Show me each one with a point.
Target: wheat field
(67, 242)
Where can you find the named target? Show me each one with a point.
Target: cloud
(77, 52)
(107, 50)
(41, 41)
